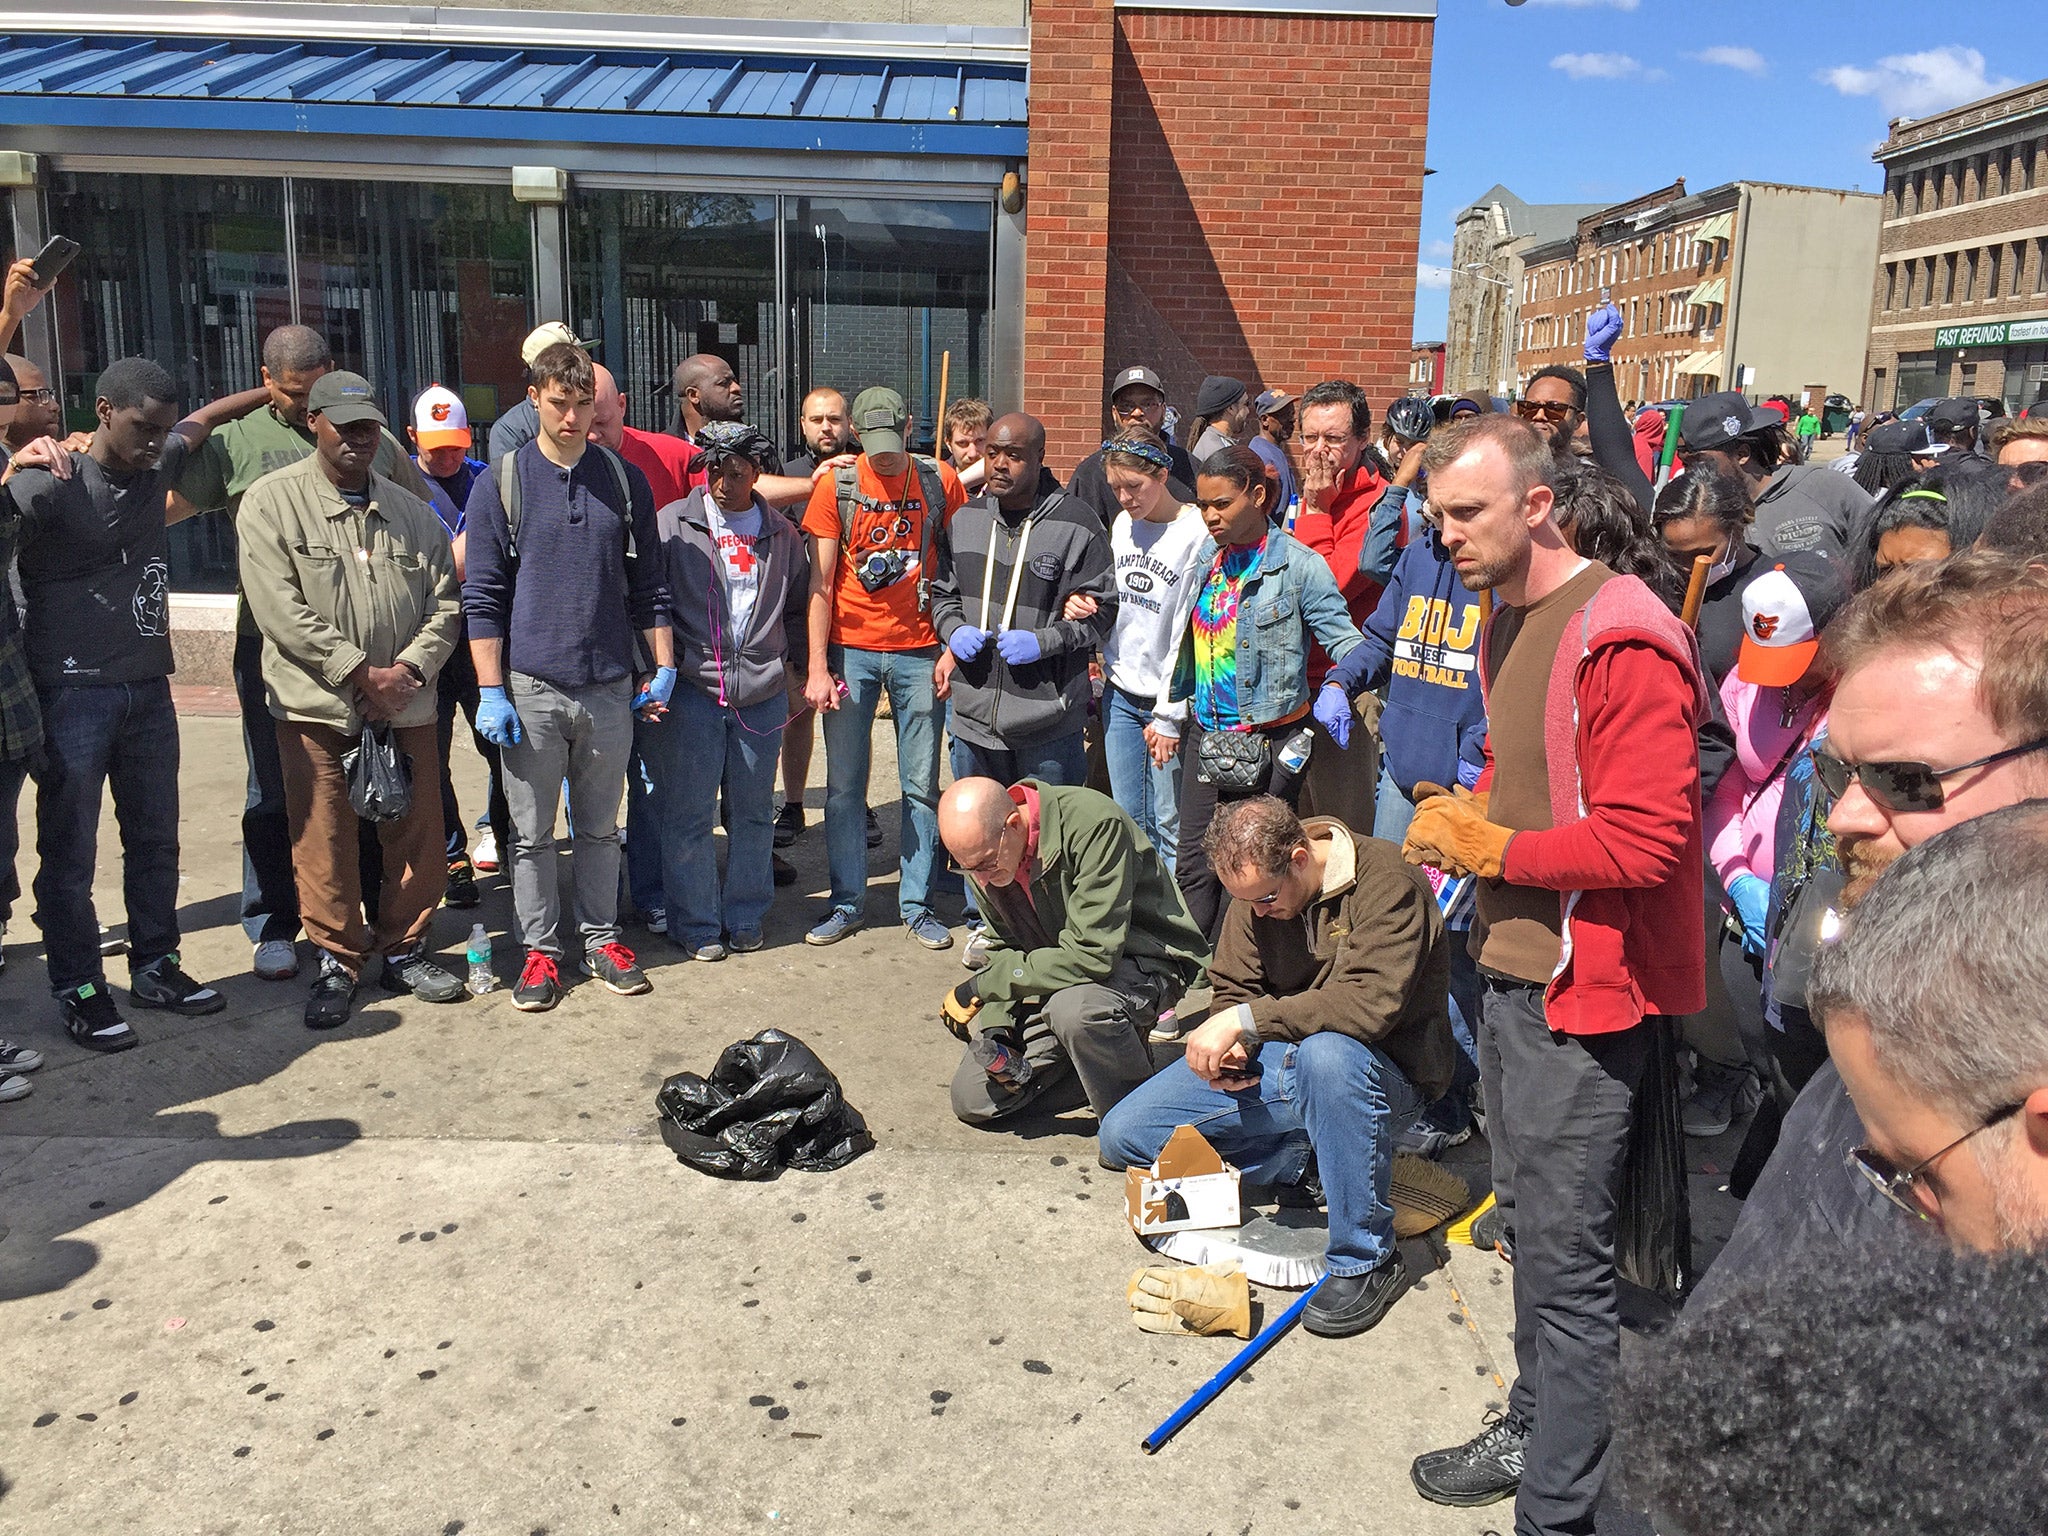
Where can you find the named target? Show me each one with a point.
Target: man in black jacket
(1137, 397)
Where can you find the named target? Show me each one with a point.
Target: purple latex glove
(967, 642)
(1019, 647)
(1333, 713)
(1603, 330)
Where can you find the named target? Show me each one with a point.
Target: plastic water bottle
(1294, 756)
(482, 978)
(1002, 1060)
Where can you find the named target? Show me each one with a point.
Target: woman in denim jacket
(1242, 657)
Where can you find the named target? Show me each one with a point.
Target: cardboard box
(1189, 1186)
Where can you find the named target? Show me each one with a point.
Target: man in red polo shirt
(669, 463)
(1340, 489)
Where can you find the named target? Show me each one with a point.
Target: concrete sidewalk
(436, 1272)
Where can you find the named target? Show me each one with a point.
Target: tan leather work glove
(958, 1008)
(1451, 832)
(1206, 1298)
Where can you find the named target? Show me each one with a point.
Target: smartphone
(52, 259)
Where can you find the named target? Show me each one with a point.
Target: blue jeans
(1392, 810)
(646, 815)
(123, 735)
(1149, 793)
(699, 747)
(1333, 1094)
(849, 730)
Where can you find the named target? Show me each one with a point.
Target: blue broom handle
(1241, 1362)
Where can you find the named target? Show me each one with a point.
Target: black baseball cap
(1956, 411)
(1908, 437)
(1136, 375)
(1715, 421)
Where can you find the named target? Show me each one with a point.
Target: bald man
(1090, 939)
(707, 390)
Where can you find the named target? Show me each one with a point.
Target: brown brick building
(1960, 304)
(1231, 191)
(1748, 284)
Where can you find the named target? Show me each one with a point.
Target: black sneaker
(1305, 1193)
(334, 990)
(540, 984)
(1483, 1470)
(461, 891)
(411, 971)
(162, 985)
(1348, 1304)
(1492, 1234)
(789, 823)
(874, 831)
(613, 967)
(92, 1019)
(785, 872)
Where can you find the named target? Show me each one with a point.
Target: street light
(1484, 269)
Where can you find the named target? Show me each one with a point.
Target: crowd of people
(1451, 759)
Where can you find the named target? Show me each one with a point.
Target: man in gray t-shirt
(1798, 506)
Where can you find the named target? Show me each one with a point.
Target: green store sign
(1996, 333)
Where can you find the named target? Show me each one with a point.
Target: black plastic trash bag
(768, 1104)
(379, 775)
(1653, 1230)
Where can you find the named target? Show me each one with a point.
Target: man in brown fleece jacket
(1328, 1033)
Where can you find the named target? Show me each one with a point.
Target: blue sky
(1581, 101)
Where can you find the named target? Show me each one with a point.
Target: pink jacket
(1742, 816)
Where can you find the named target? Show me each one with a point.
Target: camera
(880, 568)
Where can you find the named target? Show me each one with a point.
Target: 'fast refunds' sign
(1992, 333)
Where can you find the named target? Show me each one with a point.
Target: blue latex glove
(658, 690)
(967, 642)
(1603, 330)
(1019, 647)
(496, 718)
(1752, 897)
(1333, 713)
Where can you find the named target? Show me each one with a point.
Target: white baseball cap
(1784, 610)
(548, 334)
(439, 419)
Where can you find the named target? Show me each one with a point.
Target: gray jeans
(1095, 1033)
(1558, 1109)
(584, 735)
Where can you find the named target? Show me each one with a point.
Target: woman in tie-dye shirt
(1259, 601)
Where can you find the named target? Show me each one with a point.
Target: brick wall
(1262, 214)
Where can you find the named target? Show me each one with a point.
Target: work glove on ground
(1451, 832)
(958, 1008)
(1333, 713)
(1205, 1298)
(496, 719)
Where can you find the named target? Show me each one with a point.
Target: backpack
(932, 485)
(507, 471)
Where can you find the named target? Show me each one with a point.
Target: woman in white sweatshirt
(1153, 543)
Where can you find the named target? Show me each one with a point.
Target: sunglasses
(1903, 786)
(1545, 410)
(1897, 1184)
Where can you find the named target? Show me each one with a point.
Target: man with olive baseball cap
(1137, 398)
(1798, 506)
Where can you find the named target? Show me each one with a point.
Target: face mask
(1722, 566)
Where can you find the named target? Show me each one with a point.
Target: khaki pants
(325, 852)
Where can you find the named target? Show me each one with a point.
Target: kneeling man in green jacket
(1329, 1031)
(1090, 940)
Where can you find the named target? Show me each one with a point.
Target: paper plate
(1284, 1250)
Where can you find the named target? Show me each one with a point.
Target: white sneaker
(485, 854)
(12, 1088)
(655, 921)
(974, 954)
(276, 960)
(1168, 1028)
(18, 1058)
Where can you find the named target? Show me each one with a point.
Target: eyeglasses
(1903, 786)
(1547, 410)
(1121, 409)
(44, 396)
(1897, 1185)
(1327, 439)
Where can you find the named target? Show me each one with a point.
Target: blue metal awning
(642, 97)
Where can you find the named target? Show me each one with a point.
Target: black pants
(1558, 1110)
(1207, 900)
(270, 894)
(457, 690)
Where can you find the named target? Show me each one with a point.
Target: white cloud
(1585, 5)
(1597, 66)
(1440, 249)
(1917, 84)
(1748, 60)
(1427, 276)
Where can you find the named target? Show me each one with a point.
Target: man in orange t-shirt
(871, 632)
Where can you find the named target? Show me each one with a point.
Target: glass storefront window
(880, 289)
(187, 270)
(415, 284)
(656, 277)
(1920, 375)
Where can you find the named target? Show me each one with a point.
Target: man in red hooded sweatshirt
(1341, 487)
(1584, 830)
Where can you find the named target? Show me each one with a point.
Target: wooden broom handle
(1695, 590)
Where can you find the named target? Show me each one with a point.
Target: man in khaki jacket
(352, 582)
(1329, 1031)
